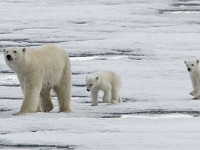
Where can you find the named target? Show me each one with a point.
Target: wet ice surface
(144, 41)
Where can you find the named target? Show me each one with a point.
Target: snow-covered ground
(145, 41)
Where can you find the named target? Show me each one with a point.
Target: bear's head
(91, 82)
(13, 55)
(192, 65)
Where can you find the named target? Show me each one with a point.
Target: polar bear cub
(194, 71)
(39, 70)
(108, 82)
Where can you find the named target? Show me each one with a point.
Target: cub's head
(192, 65)
(91, 82)
(14, 54)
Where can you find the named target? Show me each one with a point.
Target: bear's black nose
(189, 69)
(88, 90)
(9, 57)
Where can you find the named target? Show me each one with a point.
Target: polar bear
(39, 70)
(108, 82)
(194, 70)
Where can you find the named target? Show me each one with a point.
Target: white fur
(193, 68)
(108, 82)
(39, 70)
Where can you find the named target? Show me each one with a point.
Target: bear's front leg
(21, 81)
(94, 96)
(197, 96)
(194, 92)
(31, 96)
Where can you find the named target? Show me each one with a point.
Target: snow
(146, 42)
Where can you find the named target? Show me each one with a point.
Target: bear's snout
(189, 69)
(9, 57)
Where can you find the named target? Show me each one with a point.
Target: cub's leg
(115, 95)
(107, 95)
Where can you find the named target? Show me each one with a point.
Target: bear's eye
(91, 84)
(15, 51)
(192, 64)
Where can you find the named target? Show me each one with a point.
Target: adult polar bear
(39, 70)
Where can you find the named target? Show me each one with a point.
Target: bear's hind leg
(119, 99)
(107, 96)
(63, 91)
(115, 95)
(63, 99)
(45, 99)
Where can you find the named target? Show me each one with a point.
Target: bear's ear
(197, 61)
(185, 62)
(4, 50)
(97, 78)
(24, 50)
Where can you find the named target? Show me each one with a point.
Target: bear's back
(110, 77)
